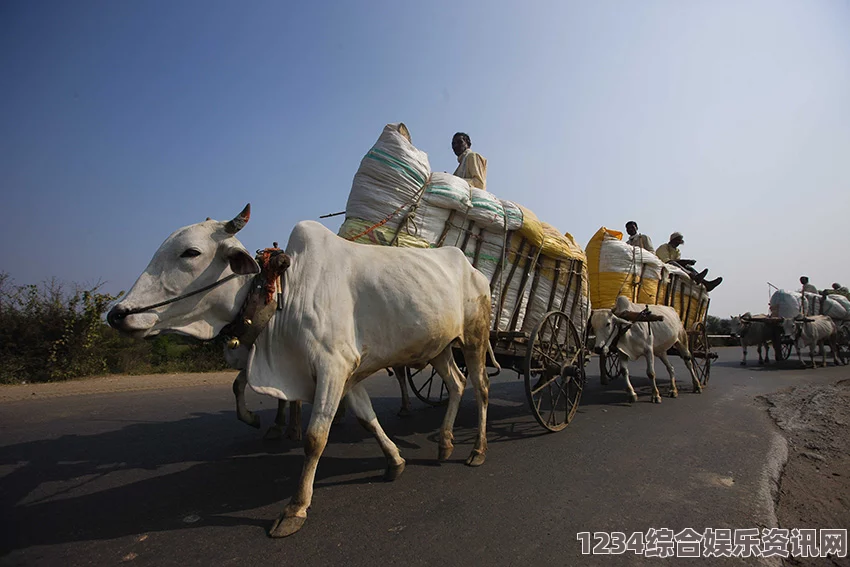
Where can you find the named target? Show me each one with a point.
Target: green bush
(48, 334)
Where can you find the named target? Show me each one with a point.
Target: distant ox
(752, 333)
(643, 339)
(814, 331)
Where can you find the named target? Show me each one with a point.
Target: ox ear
(240, 261)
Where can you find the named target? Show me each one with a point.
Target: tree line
(52, 332)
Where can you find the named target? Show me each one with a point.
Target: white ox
(752, 333)
(643, 339)
(349, 310)
(813, 331)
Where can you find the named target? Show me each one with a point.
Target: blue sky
(728, 121)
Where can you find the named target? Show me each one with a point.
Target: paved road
(169, 477)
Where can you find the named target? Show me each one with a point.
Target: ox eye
(191, 253)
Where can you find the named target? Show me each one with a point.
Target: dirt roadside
(814, 489)
(110, 384)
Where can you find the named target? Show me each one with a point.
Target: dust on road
(111, 384)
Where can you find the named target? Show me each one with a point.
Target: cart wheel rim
(554, 371)
(427, 385)
(610, 364)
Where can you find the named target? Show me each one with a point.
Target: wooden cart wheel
(427, 385)
(787, 347)
(554, 371)
(609, 366)
(783, 350)
(701, 351)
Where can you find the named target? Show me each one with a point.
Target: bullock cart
(790, 304)
(538, 330)
(616, 269)
(538, 276)
(783, 344)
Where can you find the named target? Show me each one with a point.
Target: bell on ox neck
(233, 343)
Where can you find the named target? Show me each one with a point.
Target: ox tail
(493, 358)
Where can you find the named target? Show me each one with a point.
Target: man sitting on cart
(638, 239)
(471, 166)
(670, 253)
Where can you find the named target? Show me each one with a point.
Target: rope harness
(179, 297)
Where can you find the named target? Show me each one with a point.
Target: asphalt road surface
(169, 477)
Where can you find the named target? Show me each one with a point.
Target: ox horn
(239, 221)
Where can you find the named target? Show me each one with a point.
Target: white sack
(513, 215)
(487, 210)
(448, 191)
(390, 175)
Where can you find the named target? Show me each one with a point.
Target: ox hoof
(404, 412)
(293, 434)
(284, 527)
(274, 433)
(697, 390)
(761, 363)
(603, 380)
(445, 452)
(674, 393)
(656, 399)
(633, 398)
(394, 471)
(252, 419)
(475, 459)
(743, 363)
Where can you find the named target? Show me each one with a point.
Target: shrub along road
(157, 471)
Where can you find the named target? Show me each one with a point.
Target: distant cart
(691, 302)
(783, 344)
(617, 268)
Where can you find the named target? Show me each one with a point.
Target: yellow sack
(557, 245)
(635, 280)
(532, 228)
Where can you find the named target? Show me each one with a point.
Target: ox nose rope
(179, 297)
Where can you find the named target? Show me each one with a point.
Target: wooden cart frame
(551, 357)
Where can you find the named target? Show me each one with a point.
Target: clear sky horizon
(726, 121)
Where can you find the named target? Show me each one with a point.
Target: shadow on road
(149, 476)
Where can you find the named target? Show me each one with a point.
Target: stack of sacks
(556, 274)
(617, 268)
(391, 175)
(841, 300)
(394, 183)
(395, 188)
(790, 304)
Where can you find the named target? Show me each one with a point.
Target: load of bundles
(396, 200)
(617, 268)
(793, 303)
